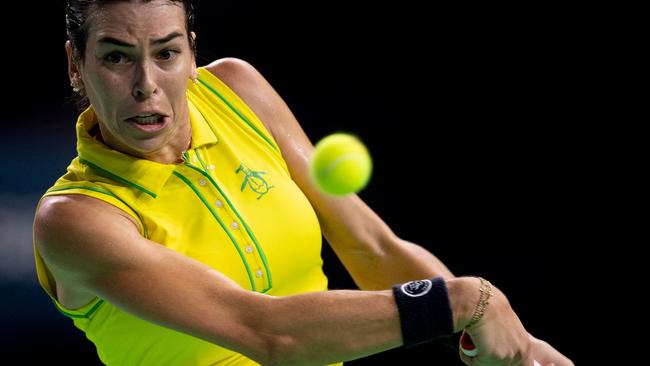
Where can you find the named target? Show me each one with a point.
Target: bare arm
(91, 245)
(374, 256)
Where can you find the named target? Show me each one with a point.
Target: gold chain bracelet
(486, 293)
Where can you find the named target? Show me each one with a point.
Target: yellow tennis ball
(340, 164)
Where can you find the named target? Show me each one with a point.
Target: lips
(149, 121)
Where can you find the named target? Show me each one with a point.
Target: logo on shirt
(254, 180)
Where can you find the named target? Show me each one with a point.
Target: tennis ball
(340, 164)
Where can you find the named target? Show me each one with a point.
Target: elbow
(266, 338)
(276, 357)
(279, 351)
(374, 248)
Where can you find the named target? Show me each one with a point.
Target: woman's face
(135, 72)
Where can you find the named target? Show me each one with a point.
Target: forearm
(333, 326)
(398, 261)
(416, 261)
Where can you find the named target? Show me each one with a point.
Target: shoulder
(246, 81)
(233, 71)
(55, 212)
(76, 210)
(70, 227)
(253, 89)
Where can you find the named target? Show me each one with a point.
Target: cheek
(108, 96)
(106, 89)
(177, 88)
(106, 92)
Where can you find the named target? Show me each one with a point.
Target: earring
(76, 84)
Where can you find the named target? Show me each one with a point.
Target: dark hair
(77, 13)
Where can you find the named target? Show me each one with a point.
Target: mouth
(149, 122)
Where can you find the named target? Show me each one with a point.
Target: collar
(142, 174)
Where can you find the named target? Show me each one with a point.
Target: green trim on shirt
(116, 177)
(223, 226)
(86, 315)
(246, 227)
(240, 115)
(108, 193)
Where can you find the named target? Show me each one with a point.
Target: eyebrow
(117, 42)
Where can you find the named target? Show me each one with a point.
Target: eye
(115, 58)
(167, 55)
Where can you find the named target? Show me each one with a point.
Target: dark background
(472, 116)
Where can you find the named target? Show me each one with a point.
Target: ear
(73, 69)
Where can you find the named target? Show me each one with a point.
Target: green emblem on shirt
(254, 180)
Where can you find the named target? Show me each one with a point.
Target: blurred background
(470, 114)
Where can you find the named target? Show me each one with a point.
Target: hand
(500, 337)
(547, 355)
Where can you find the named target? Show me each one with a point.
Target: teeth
(149, 119)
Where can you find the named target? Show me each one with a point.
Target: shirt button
(219, 204)
(211, 167)
(202, 182)
(259, 273)
(235, 225)
(249, 249)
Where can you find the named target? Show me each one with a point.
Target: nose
(144, 85)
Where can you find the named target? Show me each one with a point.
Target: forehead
(129, 20)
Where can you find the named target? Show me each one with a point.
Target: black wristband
(424, 310)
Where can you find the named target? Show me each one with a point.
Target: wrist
(424, 310)
(483, 302)
(464, 294)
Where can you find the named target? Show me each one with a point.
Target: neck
(171, 153)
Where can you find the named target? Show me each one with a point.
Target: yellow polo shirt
(231, 205)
